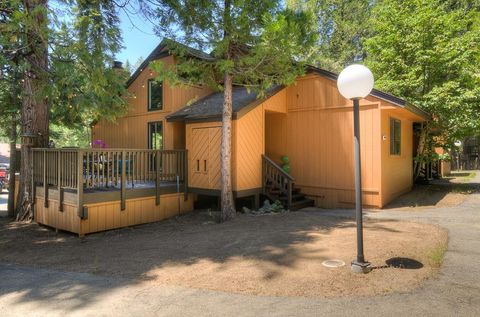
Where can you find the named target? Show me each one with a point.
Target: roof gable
(162, 51)
(376, 93)
(210, 107)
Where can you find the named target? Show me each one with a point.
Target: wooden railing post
(289, 194)
(264, 175)
(34, 183)
(185, 175)
(278, 178)
(123, 182)
(80, 184)
(45, 180)
(59, 181)
(157, 177)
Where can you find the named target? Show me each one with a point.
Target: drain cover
(333, 263)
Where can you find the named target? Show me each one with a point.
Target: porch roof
(210, 107)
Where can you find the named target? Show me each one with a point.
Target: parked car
(3, 178)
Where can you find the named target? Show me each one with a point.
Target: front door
(205, 158)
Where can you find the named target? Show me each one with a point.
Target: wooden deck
(90, 190)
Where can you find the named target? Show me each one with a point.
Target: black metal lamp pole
(359, 265)
(356, 82)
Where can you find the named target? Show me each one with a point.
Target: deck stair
(279, 185)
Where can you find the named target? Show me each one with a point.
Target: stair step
(302, 204)
(294, 197)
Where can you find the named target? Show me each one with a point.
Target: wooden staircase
(279, 185)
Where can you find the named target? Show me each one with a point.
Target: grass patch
(436, 256)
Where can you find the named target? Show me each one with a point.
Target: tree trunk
(421, 151)
(13, 161)
(34, 112)
(228, 205)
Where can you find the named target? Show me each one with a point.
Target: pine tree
(256, 44)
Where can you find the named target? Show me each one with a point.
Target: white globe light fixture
(356, 82)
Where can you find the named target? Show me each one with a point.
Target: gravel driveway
(26, 291)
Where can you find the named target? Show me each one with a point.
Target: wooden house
(176, 131)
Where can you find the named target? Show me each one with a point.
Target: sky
(138, 38)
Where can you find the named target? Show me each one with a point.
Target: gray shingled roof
(210, 107)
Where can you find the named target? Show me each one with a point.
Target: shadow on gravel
(404, 263)
(126, 256)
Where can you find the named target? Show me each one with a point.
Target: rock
(245, 210)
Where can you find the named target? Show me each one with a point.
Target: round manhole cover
(333, 263)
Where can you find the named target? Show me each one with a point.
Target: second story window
(155, 95)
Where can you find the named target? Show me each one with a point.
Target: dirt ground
(446, 192)
(279, 255)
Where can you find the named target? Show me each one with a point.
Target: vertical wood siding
(130, 131)
(397, 170)
(317, 136)
(67, 220)
(108, 215)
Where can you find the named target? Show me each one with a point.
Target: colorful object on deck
(99, 144)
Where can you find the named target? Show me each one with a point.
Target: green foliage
(259, 43)
(64, 136)
(428, 51)
(342, 26)
(85, 86)
(83, 37)
(445, 157)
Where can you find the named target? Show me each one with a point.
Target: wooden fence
(90, 169)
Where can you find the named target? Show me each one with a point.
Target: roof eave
(376, 93)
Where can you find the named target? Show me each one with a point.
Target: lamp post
(356, 82)
(458, 144)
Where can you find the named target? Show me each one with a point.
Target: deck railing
(276, 179)
(87, 169)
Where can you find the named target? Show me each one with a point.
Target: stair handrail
(281, 185)
(269, 160)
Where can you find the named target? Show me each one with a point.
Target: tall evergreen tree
(342, 26)
(256, 44)
(64, 54)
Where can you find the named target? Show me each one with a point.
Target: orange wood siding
(248, 145)
(397, 170)
(277, 103)
(275, 135)
(317, 136)
(67, 220)
(248, 149)
(108, 215)
(131, 130)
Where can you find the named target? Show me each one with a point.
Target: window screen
(155, 135)
(155, 95)
(395, 136)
